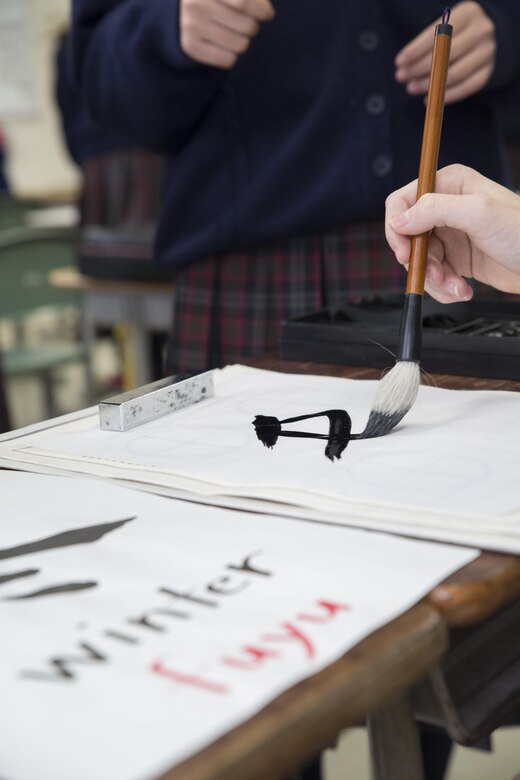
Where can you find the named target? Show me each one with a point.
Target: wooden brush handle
(430, 150)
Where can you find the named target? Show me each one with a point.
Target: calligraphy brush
(398, 389)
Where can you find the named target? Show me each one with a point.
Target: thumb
(435, 210)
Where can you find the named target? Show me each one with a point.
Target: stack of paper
(449, 471)
(136, 630)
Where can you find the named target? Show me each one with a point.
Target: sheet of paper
(449, 470)
(128, 620)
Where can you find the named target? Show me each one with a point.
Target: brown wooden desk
(307, 719)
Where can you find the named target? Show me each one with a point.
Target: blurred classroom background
(83, 312)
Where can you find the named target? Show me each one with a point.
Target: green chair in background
(14, 211)
(26, 257)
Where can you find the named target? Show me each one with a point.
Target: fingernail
(400, 220)
(458, 289)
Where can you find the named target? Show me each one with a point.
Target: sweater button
(382, 165)
(375, 104)
(369, 40)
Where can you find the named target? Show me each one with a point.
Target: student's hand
(476, 232)
(216, 32)
(472, 58)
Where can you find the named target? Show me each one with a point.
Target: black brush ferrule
(410, 331)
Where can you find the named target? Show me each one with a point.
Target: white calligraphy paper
(137, 629)
(448, 471)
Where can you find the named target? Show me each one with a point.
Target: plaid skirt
(229, 307)
(121, 188)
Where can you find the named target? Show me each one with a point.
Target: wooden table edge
(307, 718)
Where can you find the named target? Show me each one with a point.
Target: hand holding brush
(398, 389)
(476, 232)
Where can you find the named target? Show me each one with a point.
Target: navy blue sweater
(309, 130)
(83, 137)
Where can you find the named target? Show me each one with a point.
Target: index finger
(261, 10)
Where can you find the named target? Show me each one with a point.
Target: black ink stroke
(61, 665)
(67, 587)
(85, 535)
(268, 429)
(16, 575)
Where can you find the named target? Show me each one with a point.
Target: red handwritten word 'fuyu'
(269, 647)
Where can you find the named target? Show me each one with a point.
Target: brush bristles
(395, 396)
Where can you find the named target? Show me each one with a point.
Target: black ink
(150, 622)
(246, 565)
(188, 597)
(381, 423)
(221, 587)
(85, 535)
(340, 426)
(132, 640)
(61, 666)
(145, 622)
(268, 429)
(68, 587)
(17, 575)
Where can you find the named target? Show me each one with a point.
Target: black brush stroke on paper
(16, 575)
(85, 535)
(268, 430)
(67, 587)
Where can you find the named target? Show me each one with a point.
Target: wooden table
(141, 308)
(306, 719)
